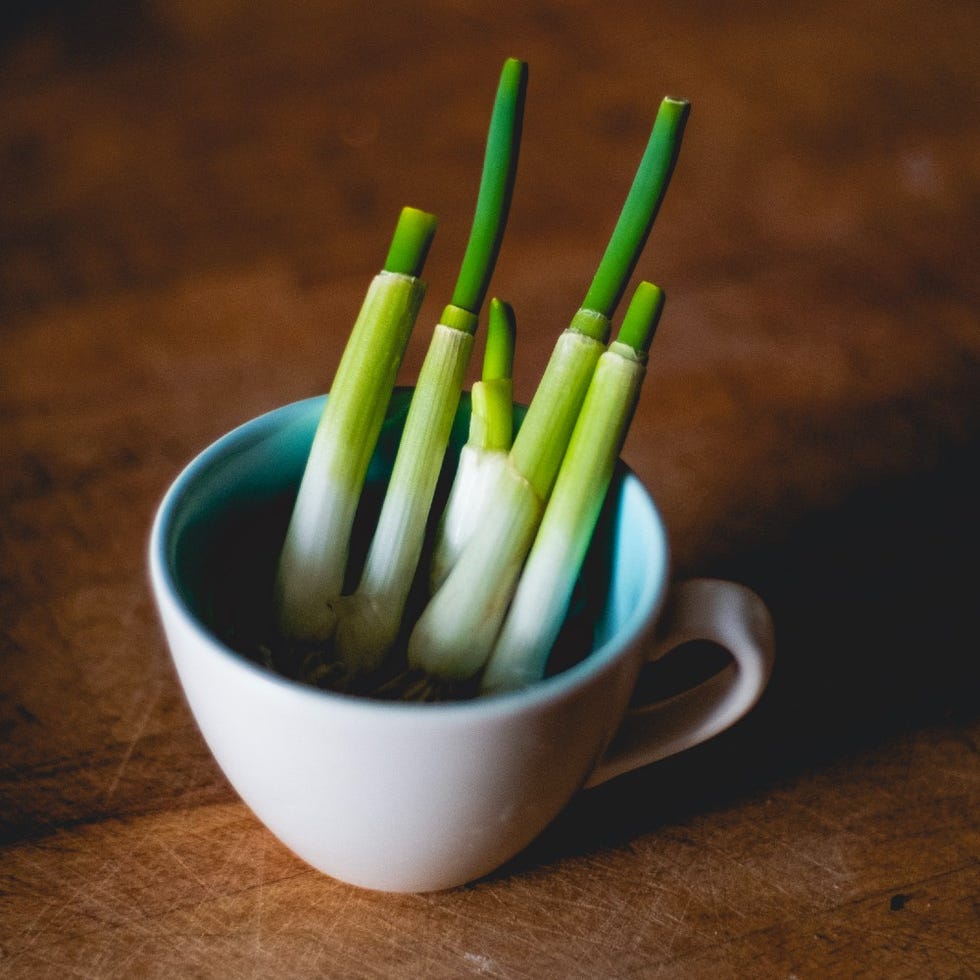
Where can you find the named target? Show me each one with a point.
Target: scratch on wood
(172, 851)
(259, 892)
(134, 738)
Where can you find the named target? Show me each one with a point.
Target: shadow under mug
(417, 797)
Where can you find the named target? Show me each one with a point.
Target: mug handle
(725, 613)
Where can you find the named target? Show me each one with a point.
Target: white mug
(410, 797)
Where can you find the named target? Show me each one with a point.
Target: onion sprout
(484, 454)
(541, 601)
(313, 560)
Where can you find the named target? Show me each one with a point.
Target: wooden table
(194, 198)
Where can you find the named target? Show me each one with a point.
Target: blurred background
(195, 195)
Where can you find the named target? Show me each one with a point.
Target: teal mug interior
(222, 523)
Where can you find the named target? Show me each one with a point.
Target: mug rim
(164, 582)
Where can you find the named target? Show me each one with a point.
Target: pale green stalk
(453, 637)
(543, 593)
(369, 621)
(481, 459)
(313, 560)
(540, 443)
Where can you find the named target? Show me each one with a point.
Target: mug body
(387, 795)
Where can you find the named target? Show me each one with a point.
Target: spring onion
(313, 560)
(484, 454)
(541, 601)
(456, 631)
(369, 620)
(454, 635)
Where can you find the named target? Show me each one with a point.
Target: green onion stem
(543, 593)
(368, 623)
(453, 637)
(492, 397)
(485, 452)
(410, 242)
(542, 439)
(641, 320)
(313, 560)
(498, 355)
(640, 209)
(496, 188)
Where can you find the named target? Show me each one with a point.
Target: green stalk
(314, 555)
(369, 623)
(496, 188)
(411, 242)
(541, 601)
(485, 452)
(640, 209)
(492, 397)
(540, 443)
(454, 635)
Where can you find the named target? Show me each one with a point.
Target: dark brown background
(194, 196)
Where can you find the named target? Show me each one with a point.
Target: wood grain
(194, 196)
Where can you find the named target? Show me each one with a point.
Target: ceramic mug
(417, 797)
